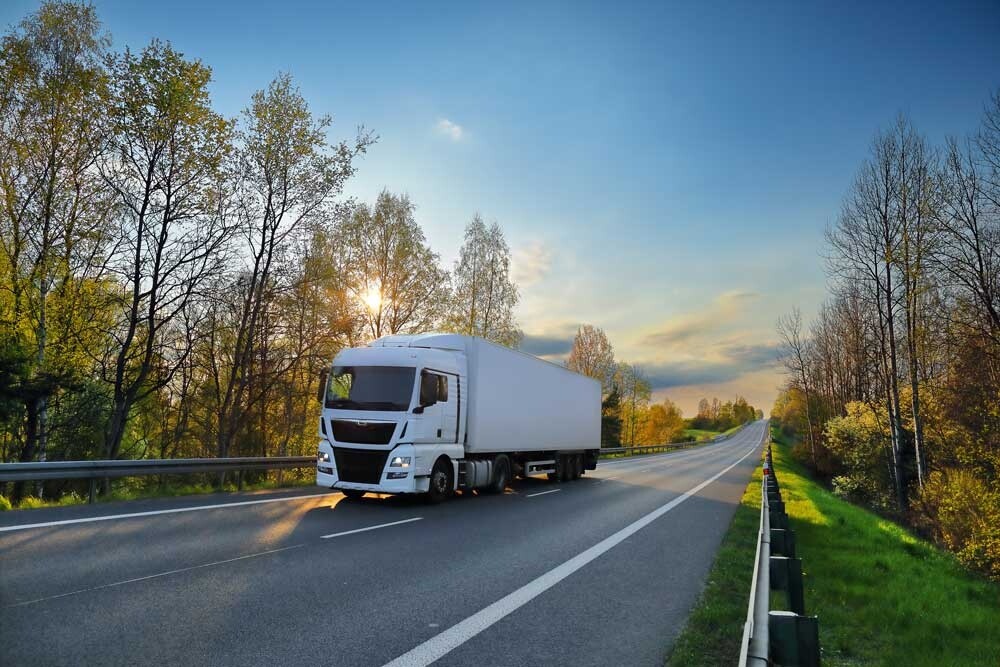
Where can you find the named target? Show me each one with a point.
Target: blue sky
(662, 170)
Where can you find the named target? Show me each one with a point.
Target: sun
(373, 298)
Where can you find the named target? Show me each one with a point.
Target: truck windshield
(386, 388)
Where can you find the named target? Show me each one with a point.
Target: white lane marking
(541, 493)
(608, 479)
(66, 522)
(154, 576)
(362, 530)
(441, 644)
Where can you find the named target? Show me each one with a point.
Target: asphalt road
(599, 571)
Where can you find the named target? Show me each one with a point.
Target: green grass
(143, 493)
(883, 596)
(699, 434)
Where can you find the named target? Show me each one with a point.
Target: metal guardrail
(95, 470)
(777, 637)
(652, 449)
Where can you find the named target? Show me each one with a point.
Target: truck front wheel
(441, 486)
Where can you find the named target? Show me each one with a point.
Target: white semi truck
(436, 413)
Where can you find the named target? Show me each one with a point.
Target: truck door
(449, 409)
(435, 396)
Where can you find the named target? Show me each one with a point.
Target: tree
(51, 212)
(288, 175)
(636, 391)
(795, 354)
(483, 295)
(664, 423)
(592, 355)
(167, 149)
(390, 270)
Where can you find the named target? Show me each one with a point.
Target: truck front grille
(361, 466)
(363, 433)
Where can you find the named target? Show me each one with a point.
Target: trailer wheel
(353, 494)
(565, 468)
(577, 466)
(560, 466)
(441, 486)
(501, 475)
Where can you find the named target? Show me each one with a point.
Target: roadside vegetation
(883, 595)
(894, 387)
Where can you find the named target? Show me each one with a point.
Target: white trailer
(435, 413)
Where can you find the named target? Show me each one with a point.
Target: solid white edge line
(65, 522)
(541, 493)
(154, 576)
(443, 643)
(367, 528)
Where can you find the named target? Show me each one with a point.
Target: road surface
(599, 571)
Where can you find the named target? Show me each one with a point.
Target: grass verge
(883, 596)
(699, 434)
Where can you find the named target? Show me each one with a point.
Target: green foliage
(4, 504)
(963, 510)
(857, 440)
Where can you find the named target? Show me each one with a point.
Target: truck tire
(441, 485)
(501, 475)
(560, 467)
(565, 468)
(578, 462)
(353, 494)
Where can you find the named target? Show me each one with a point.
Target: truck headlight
(322, 456)
(400, 462)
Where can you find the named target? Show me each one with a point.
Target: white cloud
(531, 263)
(453, 131)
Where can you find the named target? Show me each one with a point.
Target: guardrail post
(91, 495)
(786, 575)
(794, 639)
(783, 542)
(239, 480)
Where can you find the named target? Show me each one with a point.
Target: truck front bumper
(326, 475)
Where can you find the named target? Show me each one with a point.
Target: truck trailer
(436, 413)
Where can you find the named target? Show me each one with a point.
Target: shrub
(964, 513)
(4, 504)
(31, 502)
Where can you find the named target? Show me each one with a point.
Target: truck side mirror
(321, 392)
(428, 389)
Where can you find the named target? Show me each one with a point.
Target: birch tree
(165, 163)
(484, 295)
(52, 210)
(593, 356)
